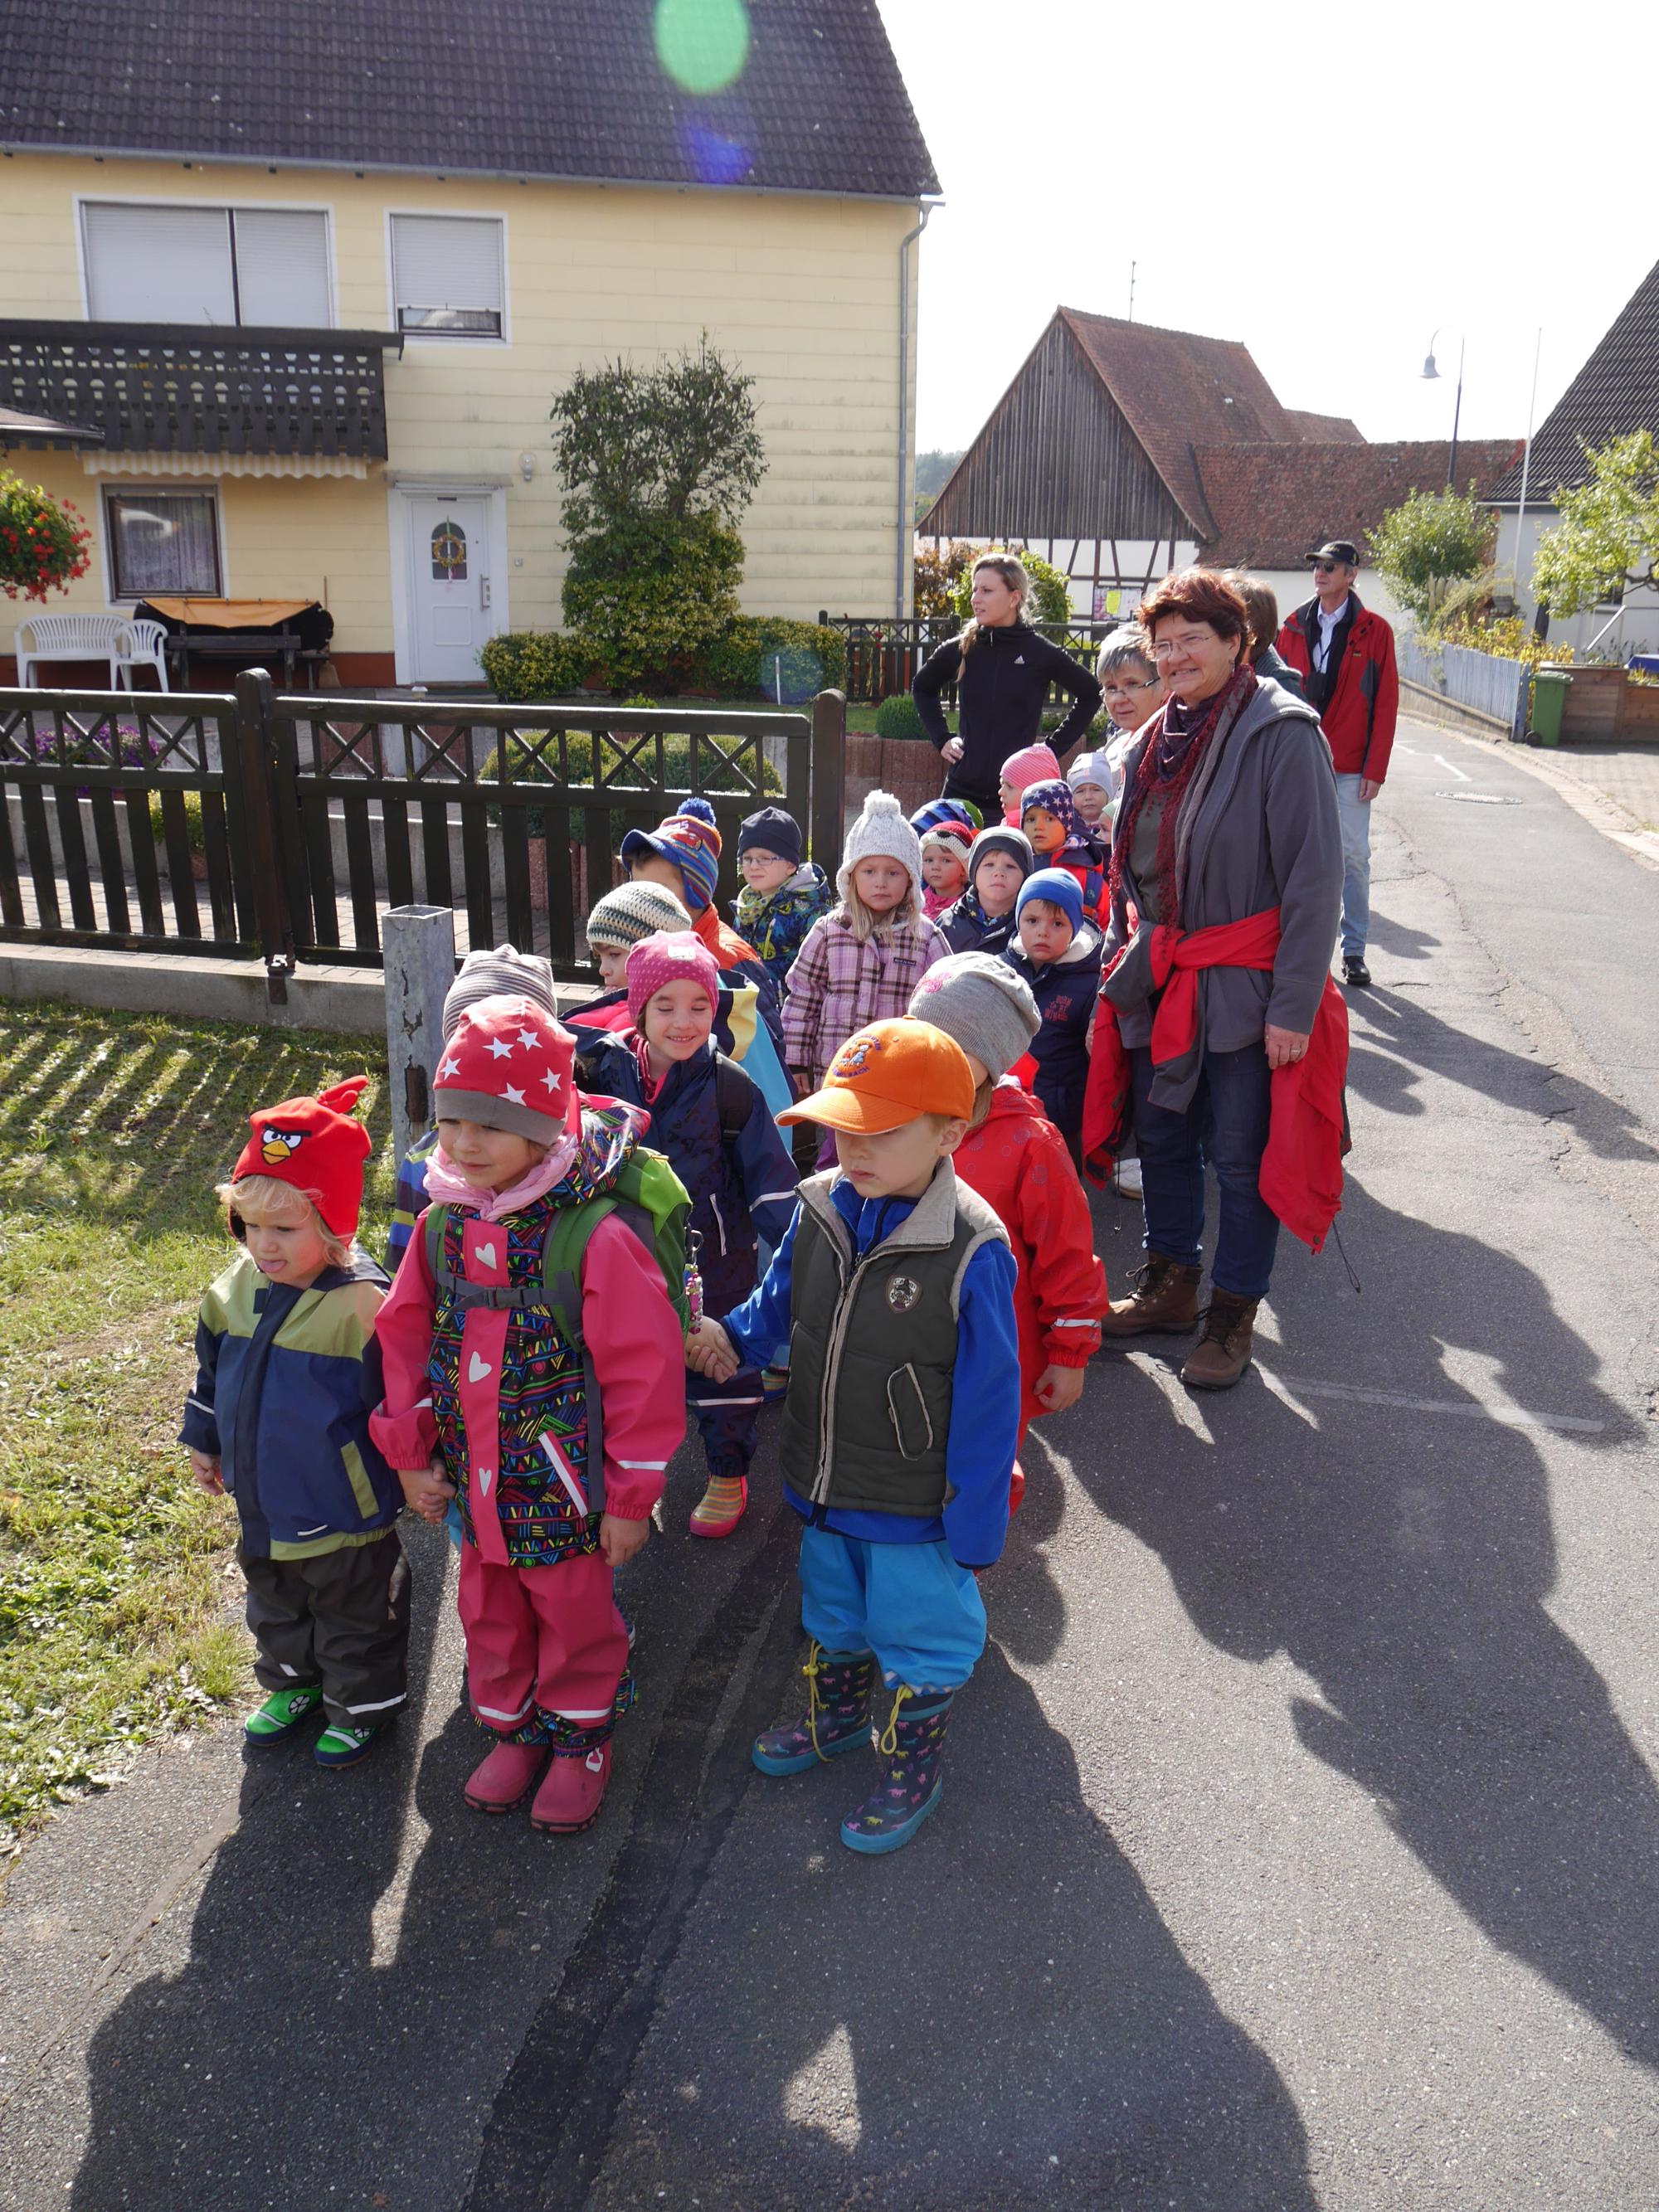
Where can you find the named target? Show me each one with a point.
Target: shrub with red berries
(43, 540)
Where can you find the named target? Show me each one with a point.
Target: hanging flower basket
(43, 540)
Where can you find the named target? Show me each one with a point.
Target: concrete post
(419, 947)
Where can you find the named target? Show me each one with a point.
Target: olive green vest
(872, 1346)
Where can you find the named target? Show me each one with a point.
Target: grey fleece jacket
(1259, 828)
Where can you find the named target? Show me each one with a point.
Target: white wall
(1638, 633)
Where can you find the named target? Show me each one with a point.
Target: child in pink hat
(488, 1400)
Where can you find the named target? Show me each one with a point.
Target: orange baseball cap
(887, 1075)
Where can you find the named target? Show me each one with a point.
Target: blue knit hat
(1059, 887)
(938, 811)
(691, 843)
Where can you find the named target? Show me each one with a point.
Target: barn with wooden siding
(1089, 456)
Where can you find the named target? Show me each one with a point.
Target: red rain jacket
(1358, 717)
(1301, 1175)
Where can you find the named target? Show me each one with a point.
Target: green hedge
(899, 716)
(527, 766)
(738, 665)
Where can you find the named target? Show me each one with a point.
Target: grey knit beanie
(633, 912)
(981, 1002)
(1000, 838)
(506, 973)
(880, 830)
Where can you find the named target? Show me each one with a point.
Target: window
(215, 265)
(163, 541)
(449, 552)
(446, 279)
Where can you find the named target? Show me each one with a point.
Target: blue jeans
(1355, 815)
(910, 1604)
(1225, 1124)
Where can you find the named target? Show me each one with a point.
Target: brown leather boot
(1222, 1352)
(1165, 1297)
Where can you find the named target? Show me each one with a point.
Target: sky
(1328, 191)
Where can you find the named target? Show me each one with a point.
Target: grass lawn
(116, 1589)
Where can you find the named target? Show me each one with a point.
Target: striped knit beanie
(633, 911)
(691, 843)
(506, 973)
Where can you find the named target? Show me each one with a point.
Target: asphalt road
(1301, 1841)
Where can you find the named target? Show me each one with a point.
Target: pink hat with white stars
(507, 1065)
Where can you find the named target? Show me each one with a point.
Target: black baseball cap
(1338, 548)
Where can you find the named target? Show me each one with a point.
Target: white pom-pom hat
(880, 832)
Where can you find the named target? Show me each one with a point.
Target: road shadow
(1401, 940)
(997, 2017)
(1402, 1559)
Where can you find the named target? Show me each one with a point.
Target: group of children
(604, 1232)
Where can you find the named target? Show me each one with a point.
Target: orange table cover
(228, 614)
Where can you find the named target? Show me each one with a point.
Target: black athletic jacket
(1004, 687)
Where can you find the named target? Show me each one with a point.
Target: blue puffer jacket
(285, 1382)
(741, 1180)
(1064, 990)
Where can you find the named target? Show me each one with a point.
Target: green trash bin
(1550, 687)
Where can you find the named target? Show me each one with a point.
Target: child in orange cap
(894, 1285)
(288, 1373)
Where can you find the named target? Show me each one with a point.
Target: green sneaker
(343, 1746)
(282, 1711)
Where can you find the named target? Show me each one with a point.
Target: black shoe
(1354, 969)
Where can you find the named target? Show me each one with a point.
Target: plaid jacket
(838, 985)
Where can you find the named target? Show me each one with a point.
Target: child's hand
(709, 1350)
(1060, 1387)
(620, 1539)
(801, 1080)
(205, 1467)
(427, 1491)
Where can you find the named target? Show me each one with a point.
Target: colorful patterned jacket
(776, 922)
(285, 1382)
(838, 985)
(500, 1394)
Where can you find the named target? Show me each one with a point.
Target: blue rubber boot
(910, 1747)
(836, 1719)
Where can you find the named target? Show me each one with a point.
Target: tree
(1430, 541)
(1051, 595)
(659, 466)
(1606, 544)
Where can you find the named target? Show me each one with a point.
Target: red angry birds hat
(314, 1144)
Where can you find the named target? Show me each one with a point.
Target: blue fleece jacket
(979, 1444)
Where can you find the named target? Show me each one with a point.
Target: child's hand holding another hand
(205, 1469)
(427, 1491)
(620, 1539)
(710, 1352)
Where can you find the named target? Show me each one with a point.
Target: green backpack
(648, 1198)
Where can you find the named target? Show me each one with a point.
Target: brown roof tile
(1328, 429)
(1271, 503)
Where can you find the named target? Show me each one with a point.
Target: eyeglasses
(1194, 640)
(1115, 683)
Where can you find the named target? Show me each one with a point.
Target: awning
(228, 614)
(224, 465)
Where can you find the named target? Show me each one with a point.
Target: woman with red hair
(1219, 1034)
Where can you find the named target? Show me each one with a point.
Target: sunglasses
(1324, 567)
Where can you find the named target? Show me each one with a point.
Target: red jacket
(1300, 1177)
(1358, 717)
(1018, 1162)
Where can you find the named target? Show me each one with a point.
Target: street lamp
(1432, 373)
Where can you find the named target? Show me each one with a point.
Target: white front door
(450, 588)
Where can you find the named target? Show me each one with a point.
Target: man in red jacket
(1345, 656)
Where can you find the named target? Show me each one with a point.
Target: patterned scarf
(1177, 739)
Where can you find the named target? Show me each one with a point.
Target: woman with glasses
(1132, 687)
(1225, 887)
(1002, 669)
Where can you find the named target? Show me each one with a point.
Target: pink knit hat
(670, 956)
(1032, 764)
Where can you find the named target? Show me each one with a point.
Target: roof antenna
(1132, 291)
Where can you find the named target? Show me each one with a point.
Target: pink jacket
(632, 1333)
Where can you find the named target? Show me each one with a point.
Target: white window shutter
(282, 268)
(446, 273)
(158, 264)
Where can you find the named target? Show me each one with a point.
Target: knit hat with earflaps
(670, 958)
(315, 1145)
(509, 1066)
(881, 832)
(506, 973)
(981, 1002)
(692, 842)
(635, 911)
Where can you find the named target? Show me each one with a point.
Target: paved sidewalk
(1616, 787)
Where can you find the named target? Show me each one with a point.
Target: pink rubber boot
(507, 1775)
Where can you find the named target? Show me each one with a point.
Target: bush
(1430, 541)
(536, 663)
(195, 836)
(899, 717)
(936, 571)
(526, 765)
(740, 661)
(43, 540)
(1051, 595)
(1507, 637)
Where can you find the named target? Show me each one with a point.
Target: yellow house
(317, 274)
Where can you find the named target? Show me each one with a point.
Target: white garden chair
(71, 637)
(142, 648)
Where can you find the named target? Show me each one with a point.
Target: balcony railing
(180, 388)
